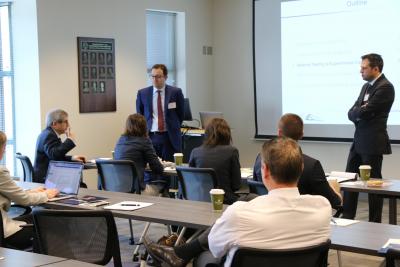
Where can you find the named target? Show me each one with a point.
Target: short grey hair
(56, 115)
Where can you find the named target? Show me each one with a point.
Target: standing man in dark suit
(312, 180)
(162, 106)
(49, 145)
(369, 114)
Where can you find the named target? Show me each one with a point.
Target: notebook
(65, 176)
(207, 116)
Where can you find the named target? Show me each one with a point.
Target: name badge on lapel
(366, 97)
(171, 105)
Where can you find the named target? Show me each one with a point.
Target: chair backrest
(313, 256)
(84, 235)
(118, 176)
(2, 242)
(26, 167)
(196, 183)
(257, 187)
(392, 255)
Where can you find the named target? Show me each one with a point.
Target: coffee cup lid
(178, 154)
(217, 191)
(364, 167)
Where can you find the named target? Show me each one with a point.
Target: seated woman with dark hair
(134, 144)
(218, 153)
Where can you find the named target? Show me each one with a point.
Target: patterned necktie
(160, 113)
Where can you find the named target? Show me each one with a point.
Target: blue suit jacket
(173, 116)
(49, 147)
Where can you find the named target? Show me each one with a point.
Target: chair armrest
(28, 225)
(27, 209)
(339, 211)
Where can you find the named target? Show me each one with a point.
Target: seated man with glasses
(163, 106)
(49, 145)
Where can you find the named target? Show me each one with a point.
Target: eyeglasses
(66, 121)
(156, 76)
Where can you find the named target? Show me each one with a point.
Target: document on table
(246, 172)
(128, 205)
(391, 243)
(342, 176)
(342, 222)
(94, 160)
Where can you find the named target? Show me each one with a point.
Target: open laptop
(65, 176)
(207, 116)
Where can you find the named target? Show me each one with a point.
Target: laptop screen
(65, 176)
(207, 116)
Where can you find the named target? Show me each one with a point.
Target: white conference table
(17, 258)
(390, 190)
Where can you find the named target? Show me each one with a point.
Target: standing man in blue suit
(162, 106)
(369, 114)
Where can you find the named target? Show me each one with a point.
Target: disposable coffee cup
(178, 158)
(112, 154)
(217, 199)
(365, 172)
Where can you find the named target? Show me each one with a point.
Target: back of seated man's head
(291, 125)
(284, 159)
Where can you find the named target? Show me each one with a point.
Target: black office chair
(257, 187)
(26, 167)
(119, 176)
(196, 183)
(84, 235)
(313, 256)
(2, 241)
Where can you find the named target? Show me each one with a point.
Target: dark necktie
(368, 90)
(160, 113)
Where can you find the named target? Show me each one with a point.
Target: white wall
(233, 89)
(26, 78)
(60, 22)
(223, 81)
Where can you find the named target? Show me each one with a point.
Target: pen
(130, 204)
(333, 221)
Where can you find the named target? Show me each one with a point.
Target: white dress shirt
(154, 125)
(283, 219)
(63, 136)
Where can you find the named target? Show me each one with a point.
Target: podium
(191, 138)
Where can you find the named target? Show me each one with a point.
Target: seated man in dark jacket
(49, 145)
(312, 180)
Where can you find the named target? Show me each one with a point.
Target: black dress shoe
(164, 254)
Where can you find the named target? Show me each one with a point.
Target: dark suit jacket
(225, 161)
(173, 116)
(371, 137)
(140, 150)
(49, 147)
(312, 181)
